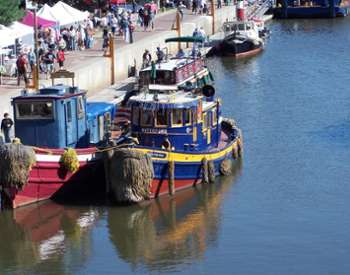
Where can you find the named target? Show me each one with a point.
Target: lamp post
(213, 16)
(178, 28)
(36, 52)
(111, 52)
(32, 5)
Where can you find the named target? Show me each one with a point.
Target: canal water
(285, 210)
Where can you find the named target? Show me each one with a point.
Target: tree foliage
(10, 11)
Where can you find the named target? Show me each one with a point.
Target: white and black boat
(242, 38)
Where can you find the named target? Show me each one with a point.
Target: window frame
(142, 117)
(156, 119)
(30, 103)
(69, 113)
(189, 123)
(204, 121)
(214, 115)
(80, 107)
(136, 111)
(172, 118)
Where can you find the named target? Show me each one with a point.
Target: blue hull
(310, 12)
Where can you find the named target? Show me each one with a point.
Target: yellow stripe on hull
(189, 157)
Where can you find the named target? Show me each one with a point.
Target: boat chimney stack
(240, 10)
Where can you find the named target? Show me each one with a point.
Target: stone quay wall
(95, 74)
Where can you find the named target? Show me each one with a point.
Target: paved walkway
(163, 22)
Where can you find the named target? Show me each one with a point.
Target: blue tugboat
(176, 120)
(183, 127)
(311, 9)
(51, 120)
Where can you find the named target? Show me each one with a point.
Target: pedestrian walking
(133, 4)
(105, 43)
(146, 18)
(114, 24)
(160, 55)
(6, 125)
(146, 59)
(194, 7)
(141, 17)
(180, 8)
(60, 58)
(21, 64)
(31, 59)
(218, 4)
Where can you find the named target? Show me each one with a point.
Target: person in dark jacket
(6, 125)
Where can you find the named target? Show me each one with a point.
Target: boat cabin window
(162, 77)
(147, 118)
(206, 120)
(69, 111)
(135, 116)
(101, 127)
(81, 111)
(187, 117)
(161, 118)
(108, 121)
(239, 27)
(214, 116)
(176, 117)
(35, 110)
(205, 124)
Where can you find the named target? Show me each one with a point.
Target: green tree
(10, 11)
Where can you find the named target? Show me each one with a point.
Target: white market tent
(68, 15)
(46, 12)
(6, 37)
(26, 33)
(64, 18)
(20, 30)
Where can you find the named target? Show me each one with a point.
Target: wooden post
(36, 77)
(171, 177)
(213, 16)
(178, 28)
(171, 170)
(111, 55)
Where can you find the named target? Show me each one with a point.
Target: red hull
(249, 53)
(161, 187)
(47, 176)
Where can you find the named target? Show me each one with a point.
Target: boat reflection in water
(45, 236)
(168, 232)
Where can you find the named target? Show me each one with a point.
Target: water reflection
(45, 238)
(166, 233)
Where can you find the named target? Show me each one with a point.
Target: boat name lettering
(154, 131)
(157, 155)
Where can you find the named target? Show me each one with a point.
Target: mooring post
(171, 169)
(213, 16)
(171, 177)
(111, 55)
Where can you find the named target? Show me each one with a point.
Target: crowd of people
(53, 44)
